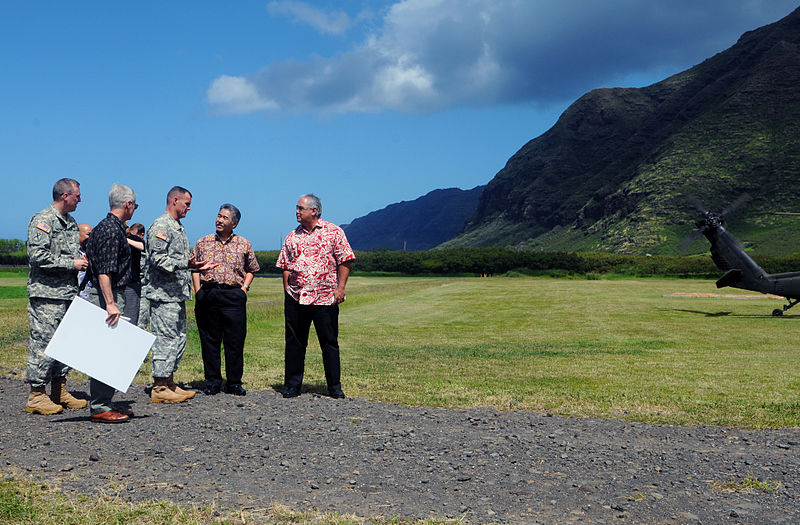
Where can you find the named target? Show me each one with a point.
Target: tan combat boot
(188, 394)
(39, 403)
(162, 393)
(61, 396)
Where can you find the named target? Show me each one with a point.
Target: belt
(210, 284)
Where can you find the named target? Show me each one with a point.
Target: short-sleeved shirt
(312, 259)
(167, 277)
(235, 258)
(53, 246)
(109, 252)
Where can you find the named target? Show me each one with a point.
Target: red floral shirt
(312, 259)
(235, 259)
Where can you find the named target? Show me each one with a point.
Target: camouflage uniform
(167, 284)
(52, 284)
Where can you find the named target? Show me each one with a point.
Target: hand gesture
(81, 264)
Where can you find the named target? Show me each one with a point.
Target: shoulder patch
(162, 235)
(44, 227)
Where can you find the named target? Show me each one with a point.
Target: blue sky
(363, 103)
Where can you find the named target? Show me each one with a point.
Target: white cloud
(237, 95)
(434, 54)
(333, 23)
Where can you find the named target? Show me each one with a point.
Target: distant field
(606, 348)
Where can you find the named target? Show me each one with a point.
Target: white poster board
(111, 354)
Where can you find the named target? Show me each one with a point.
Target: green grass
(748, 483)
(26, 502)
(601, 348)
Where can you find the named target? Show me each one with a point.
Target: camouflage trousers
(168, 324)
(44, 316)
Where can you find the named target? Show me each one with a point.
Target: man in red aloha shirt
(315, 259)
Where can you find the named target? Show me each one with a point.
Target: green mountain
(420, 224)
(611, 174)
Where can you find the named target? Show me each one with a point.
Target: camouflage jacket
(52, 250)
(166, 275)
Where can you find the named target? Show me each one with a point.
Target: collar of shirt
(301, 228)
(118, 222)
(216, 238)
(62, 217)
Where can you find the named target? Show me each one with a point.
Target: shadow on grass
(700, 312)
(739, 316)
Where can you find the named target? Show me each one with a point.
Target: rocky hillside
(610, 174)
(420, 224)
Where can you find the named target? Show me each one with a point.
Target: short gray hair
(64, 186)
(313, 202)
(235, 213)
(176, 191)
(119, 195)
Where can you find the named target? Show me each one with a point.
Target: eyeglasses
(299, 208)
(135, 206)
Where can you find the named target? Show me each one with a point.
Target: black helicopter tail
(728, 254)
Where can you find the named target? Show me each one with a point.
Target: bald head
(84, 230)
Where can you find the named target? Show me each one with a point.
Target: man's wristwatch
(247, 287)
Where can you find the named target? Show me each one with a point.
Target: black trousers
(221, 315)
(298, 319)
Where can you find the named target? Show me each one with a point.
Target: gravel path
(354, 456)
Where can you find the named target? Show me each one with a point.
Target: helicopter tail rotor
(709, 219)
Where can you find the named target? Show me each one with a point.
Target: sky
(363, 103)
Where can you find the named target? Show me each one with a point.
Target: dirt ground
(374, 459)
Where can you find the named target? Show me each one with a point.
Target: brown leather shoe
(121, 410)
(112, 416)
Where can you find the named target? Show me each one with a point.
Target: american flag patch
(161, 235)
(44, 227)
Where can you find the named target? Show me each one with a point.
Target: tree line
(507, 261)
(501, 261)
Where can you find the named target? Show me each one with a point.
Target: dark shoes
(291, 392)
(236, 390)
(112, 416)
(211, 389)
(336, 393)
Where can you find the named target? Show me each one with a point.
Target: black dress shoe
(291, 392)
(236, 390)
(336, 393)
(211, 390)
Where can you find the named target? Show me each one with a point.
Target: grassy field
(607, 348)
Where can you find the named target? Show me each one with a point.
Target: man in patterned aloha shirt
(220, 300)
(315, 260)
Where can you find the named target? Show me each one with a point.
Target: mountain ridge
(420, 224)
(610, 174)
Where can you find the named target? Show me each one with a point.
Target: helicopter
(741, 271)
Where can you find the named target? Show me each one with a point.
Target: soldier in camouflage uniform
(54, 258)
(167, 285)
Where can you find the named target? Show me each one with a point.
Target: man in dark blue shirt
(110, 263)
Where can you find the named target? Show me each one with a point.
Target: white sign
(111, 354)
